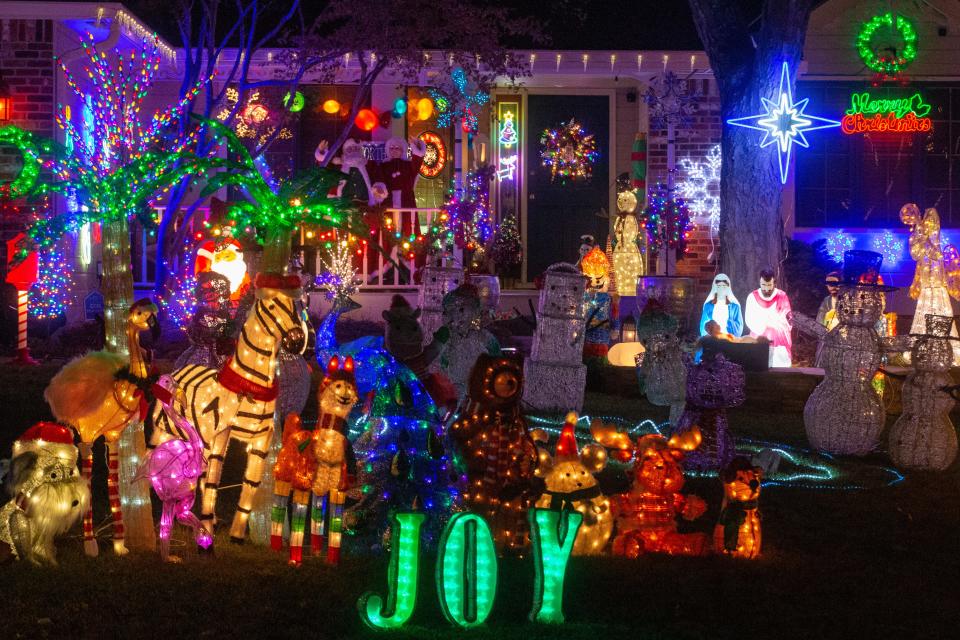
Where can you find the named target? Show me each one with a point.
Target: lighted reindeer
(173, 469)
(316, 461)
(238, 400)
(100, 394)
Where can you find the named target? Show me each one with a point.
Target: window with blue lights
(862, 179)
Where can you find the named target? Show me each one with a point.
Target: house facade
(847, 187)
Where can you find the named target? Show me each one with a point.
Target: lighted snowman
(662, 369)
(923, 436)
(627, 259)
(844, 414)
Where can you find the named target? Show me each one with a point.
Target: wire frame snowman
(844, 414)
(923, 436)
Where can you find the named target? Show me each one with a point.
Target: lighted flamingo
(173, 468)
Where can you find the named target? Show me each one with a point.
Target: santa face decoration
(226, 259)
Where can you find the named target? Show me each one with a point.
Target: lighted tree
(746, 53)
(116, 169)
(276, 209)
(50, 294)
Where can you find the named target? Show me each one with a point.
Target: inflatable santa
(766, 315)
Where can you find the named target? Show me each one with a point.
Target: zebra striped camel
(237, 402)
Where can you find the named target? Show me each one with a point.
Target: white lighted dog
(48, 494)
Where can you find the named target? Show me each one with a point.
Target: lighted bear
(646, 516)
(570, 484)
(738, 530)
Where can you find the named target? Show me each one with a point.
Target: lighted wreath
(27, 177)
(568, 151)
(887, 44)
(435, 157)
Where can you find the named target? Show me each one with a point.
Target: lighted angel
(937, 276)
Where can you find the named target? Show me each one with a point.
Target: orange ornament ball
(424, 108)
(366, 120)
(331, 106)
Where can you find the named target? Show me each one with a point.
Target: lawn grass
(877, 563)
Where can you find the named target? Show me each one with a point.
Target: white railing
(378, 272)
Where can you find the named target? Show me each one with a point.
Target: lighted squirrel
(646, 515)
(571, 485)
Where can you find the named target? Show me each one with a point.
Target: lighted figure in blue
(722, 307)
(599, 309)
(404, 460)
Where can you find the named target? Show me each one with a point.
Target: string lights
(569, 152)
(666, 219)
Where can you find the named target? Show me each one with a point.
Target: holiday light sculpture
(316, 461)
(555, 373)
(895, 56)
(402, 577)
(627, 260)
(937, 275)
(237, 402)
(47, 493)
(784, 122)
(500, 455)
(173, 469)
(600, 308)
(700, 186)
(844, 414)
(225, 256)
(713, 386)
(467, 571)
(837, 244)
(102, 394)
(50, 294)
(662, 370)
(646, 514)
(887, 245)
(569, 152)
(210, 320)
(571, 486)
(462, 316)
(923, 437)
(738, 529)
(553, 535)
(459, 104)
(507, 250)
(666, 220)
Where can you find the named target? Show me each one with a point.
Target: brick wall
(693, 142)
(26, 62)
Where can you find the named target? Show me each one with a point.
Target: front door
(558, 213)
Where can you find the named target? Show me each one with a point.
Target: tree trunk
(751, 229)
(276, 251)
(117, 297)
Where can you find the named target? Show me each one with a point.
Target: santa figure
(766, 315)
(398, 173)
(355, 185)
(226, 258)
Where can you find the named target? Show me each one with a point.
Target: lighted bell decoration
(366, 120)
(6, 100)
(331, 106)
(424, 108)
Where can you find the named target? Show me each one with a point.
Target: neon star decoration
(784, 123)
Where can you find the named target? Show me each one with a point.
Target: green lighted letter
(552, 534)
(402, 577)
(467, 570)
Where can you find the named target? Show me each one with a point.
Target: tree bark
(747, 66)
(117, 297)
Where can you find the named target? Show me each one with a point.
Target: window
(862, 180)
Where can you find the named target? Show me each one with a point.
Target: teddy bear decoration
(737, 532)
(571, 485)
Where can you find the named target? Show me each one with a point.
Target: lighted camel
(173, 469)
(101, 394)
(238, 400)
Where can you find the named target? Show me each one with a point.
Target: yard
(877, 562)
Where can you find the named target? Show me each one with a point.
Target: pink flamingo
(173, 468)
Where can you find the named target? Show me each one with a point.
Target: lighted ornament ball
(366, 120)
(399, 107)
(424, 108)
(331, 106)
(296, 104)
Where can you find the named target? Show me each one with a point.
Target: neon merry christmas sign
(466, 572)
(886, 115)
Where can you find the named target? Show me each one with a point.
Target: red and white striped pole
(23, 352)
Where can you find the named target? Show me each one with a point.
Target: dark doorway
(558, 214)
